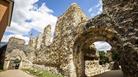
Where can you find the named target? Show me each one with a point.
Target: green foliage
(103, 58)
(41, 73)
(115, 56)
(17, 61)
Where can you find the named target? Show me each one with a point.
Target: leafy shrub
(103, 58)
(115, 56)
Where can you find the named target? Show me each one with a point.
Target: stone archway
(15, 59)
(15, 62)
(86, 38)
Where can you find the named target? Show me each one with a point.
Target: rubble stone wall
(124, 14)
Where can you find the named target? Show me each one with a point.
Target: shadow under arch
(86, 38)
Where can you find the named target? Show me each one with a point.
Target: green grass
(41, 73)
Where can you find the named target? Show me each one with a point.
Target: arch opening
(85, 52)
(100, 63)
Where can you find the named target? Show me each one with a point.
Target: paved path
(14, 73)
(113, 73)
(20, 73)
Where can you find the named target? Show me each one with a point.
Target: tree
(115, 56)
(103, 58)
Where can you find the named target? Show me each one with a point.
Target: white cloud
(25, 10)
(102, 46)
(16, 28)
(41, 18)
(95, 10)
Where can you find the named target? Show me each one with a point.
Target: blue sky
(61, 6)
(32, 16)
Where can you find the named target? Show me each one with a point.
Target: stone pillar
(47, 36)
(72, 68)
(80, 64)
(6, 65)
(20, 66)
(33, 42)
(39, 41)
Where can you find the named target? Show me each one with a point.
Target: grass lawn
(41, 73)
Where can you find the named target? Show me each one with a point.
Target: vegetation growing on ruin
(41, 73)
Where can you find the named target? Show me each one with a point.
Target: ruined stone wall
(42, 40)
(125, 15)
(122, 16)
(15, 50)
(32, 42)
(15, 43)
(47, 36)
(66, 30)
(93, 68)
(17, 54)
